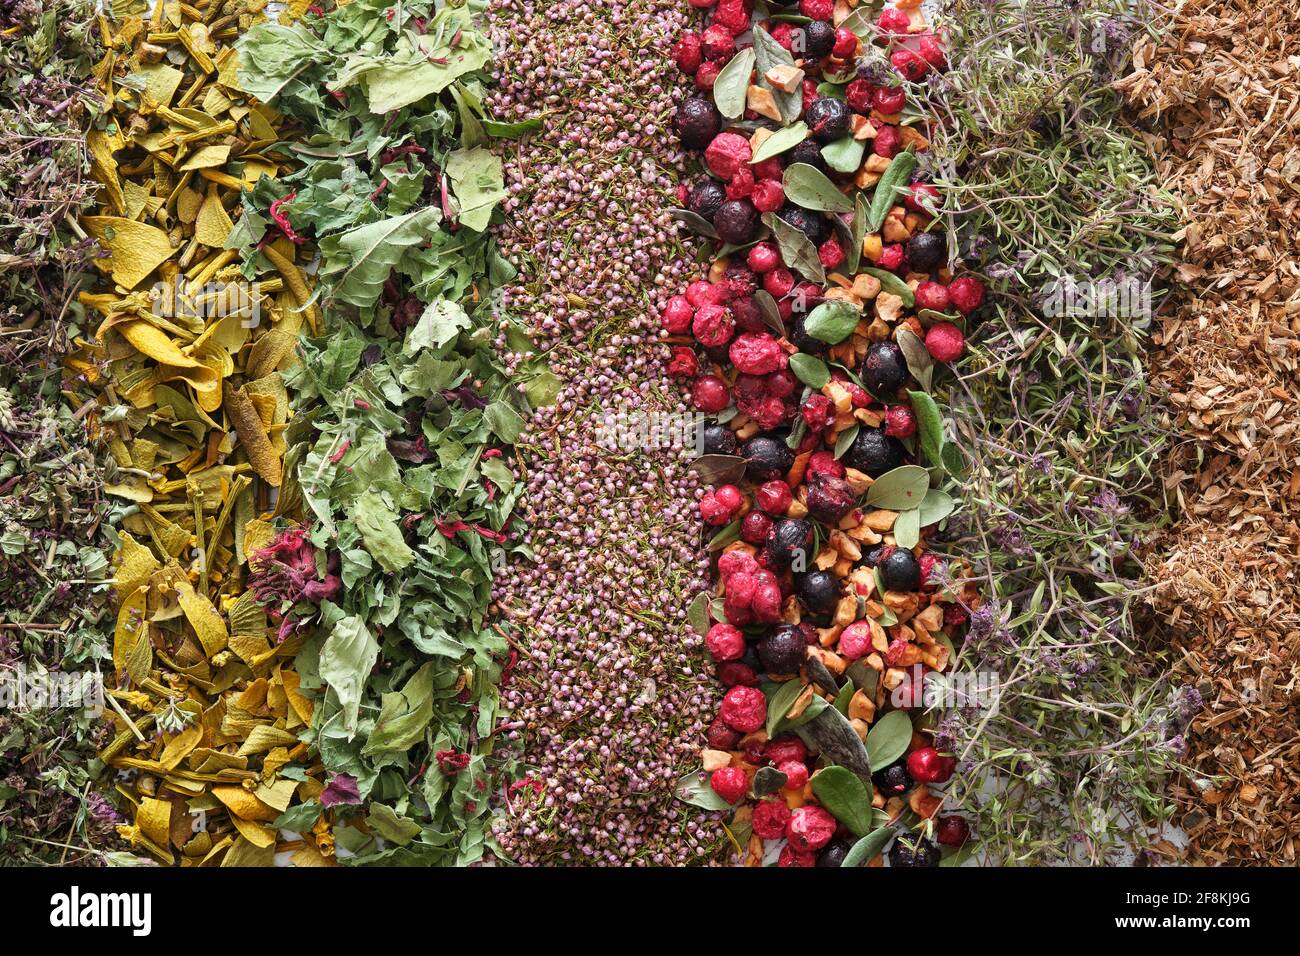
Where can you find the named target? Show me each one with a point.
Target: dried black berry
(894, 780)
(829, 499)
(719, 440)
(736, 221)
(782, 651)
(833, 853)
(884, 370)
(697, 122)
(873, 452)
(872, 556)
(914, 851)
(828, 118)
(799, 337)
(901, 571)
(790, 538)
(706, 198)
(819, 38)
(810, 152)
(927, 251)
(818, 590)
(811, 224)
(766, 457)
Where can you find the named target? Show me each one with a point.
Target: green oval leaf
(797, 250)
(832, 322)
(844, 440)
(724, 537)
(865, 850)
(930, 425)
(847, 798)
(893, 284)
(896, 176)
(889, 737)
(809, 187)
(810, 370)
(695, 222)
(768, 780)
(936, 506)
(732, 84)
(907, 528)
(904, 487)
(780, 141)
(697, 615)
(844, 155)
(770, 311)
(780, 701)
(919, 361)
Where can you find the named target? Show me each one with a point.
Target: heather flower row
(812, 341)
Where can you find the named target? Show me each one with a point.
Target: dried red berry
(756, 528)
(732, 15)
(927, 765)
(778, 282)
(952, 831)
(783, 33)
(846, 43)
(741, 185)
(702, 292)
(855, 640)
(702, 4)
(766, 603)
(896, 650)
(967, 294)
(955, 615)
(893, 21)
(892, 257)
(686, 53)
(922, 197)
(721, 737)
(900, 421)
(706, 74)
(770, 168)
(932, 52)
(810, 828)
(906, 62)
(796, 774)
(744, 709)
(719, 45)
(817, 411)
(792, 857)
(927, 562)
(730, 497)
(781, 384)
(770, 819)
(712, 511)
(784, 748)
(932, 295)
(888, 142)
(890, 99)
(756, 353)
(831, 253)
(683, 363)
(945, 342)
(734, 672)
(823, 464)
(713, 326)
(727, 153)
(763, 256)
(747, 315)
(710, 394)
(733, 562)
(817, 9)
(730, 783)
(774, 497)
(725, 642)
(768, 195)
(678, 314)
(859, 95)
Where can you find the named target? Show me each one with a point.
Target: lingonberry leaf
(846, 796)
(902, 488)
(889, 738)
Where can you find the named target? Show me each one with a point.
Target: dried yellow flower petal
(135, 248)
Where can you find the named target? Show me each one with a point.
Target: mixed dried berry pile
(811, 344)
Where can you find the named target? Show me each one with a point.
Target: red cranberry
(888, 142)
(774, 497)
(747, 315)
(823, 464)
(744, 709)
(846, 43)
(721, 737)
(967, 294)
(796, 773)
(710, 394)
(945, 342)
(855, 640)
(763, 256)
(778, 282)
(892, 257)
(910, 64)
(712, 511)
(952, 831)
(683, 363)
(735, 672)
(725, 643)
(859, 95)
(817, 9)
(756, 353)
(932, 52)
(927, 765)
(893, 21)
(712, 326)
(741, 185)
(718, 45)
(792, 857)
(706, 74)
(678, 314)
(733, 562)
(733, 15)
(730, 783)
(954, 615)
(727, 153)
(770, 168)
(922, 197)
(701, 292)
(831, 254)
(756, 528)
(730, 497)
(702, 4)
(781, 384)
(785, 748)
(933, 296)
(770, 819)
(783, 33)
(686, 53)
(768, 195)
(900, 422)
(890, 99)
(810, 828)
